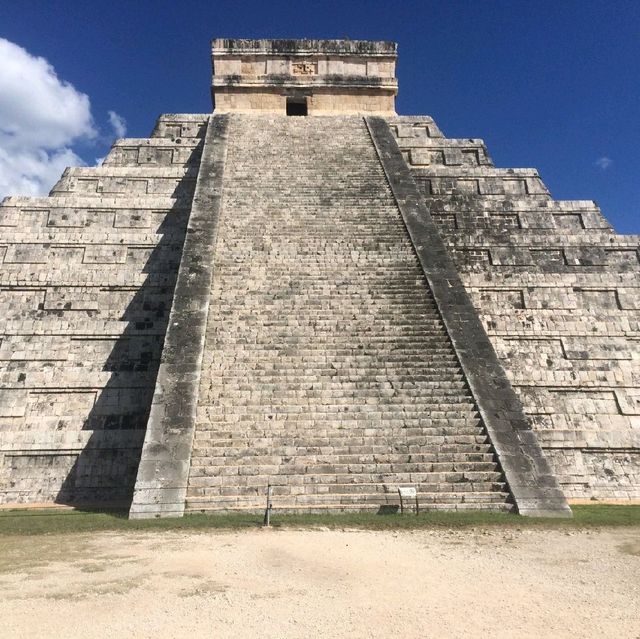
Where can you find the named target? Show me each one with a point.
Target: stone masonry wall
(559, 294)
(85, 290)
(336, 76)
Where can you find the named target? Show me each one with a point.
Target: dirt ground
(323, 583)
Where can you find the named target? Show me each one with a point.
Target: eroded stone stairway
(327, 371)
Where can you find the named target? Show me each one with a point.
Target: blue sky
(551, 85)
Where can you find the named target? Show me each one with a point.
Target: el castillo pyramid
(305, 290)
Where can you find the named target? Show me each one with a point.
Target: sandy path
(287, 583)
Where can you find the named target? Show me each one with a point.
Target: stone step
(343, 464)
(285, 475)
(434, 399)
(275, 403)
(213, 426)
(247, 483)
(341, 360)
(341, 350)
(271, 373)
(338, 431)
(462, 445)
(446, 386)
(268, 404)
(375, 420)
(299, 331)
(428, 500)
(328, 490)
(287, 508)
(292, 445)
(332, 438)
(435, 460)
(327, 378)
(219, 420)
(327, 369)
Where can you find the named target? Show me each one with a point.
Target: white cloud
(118, 123)
(33, 172)
(41, 117)
(604, 162)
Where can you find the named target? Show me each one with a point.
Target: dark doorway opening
(296, 106)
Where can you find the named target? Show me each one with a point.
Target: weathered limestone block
(85, 291)
(558, 293)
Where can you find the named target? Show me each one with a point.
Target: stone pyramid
(336, 306)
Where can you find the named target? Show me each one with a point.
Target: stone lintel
(304, 47)
(163, 472)
(528, 474)
(282, 83)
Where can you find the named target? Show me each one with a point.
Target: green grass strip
(41, 522)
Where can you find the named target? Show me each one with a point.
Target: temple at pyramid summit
(306, 291)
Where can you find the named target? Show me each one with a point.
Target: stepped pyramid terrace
(305, 290)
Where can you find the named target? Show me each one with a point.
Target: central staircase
(327, 371)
